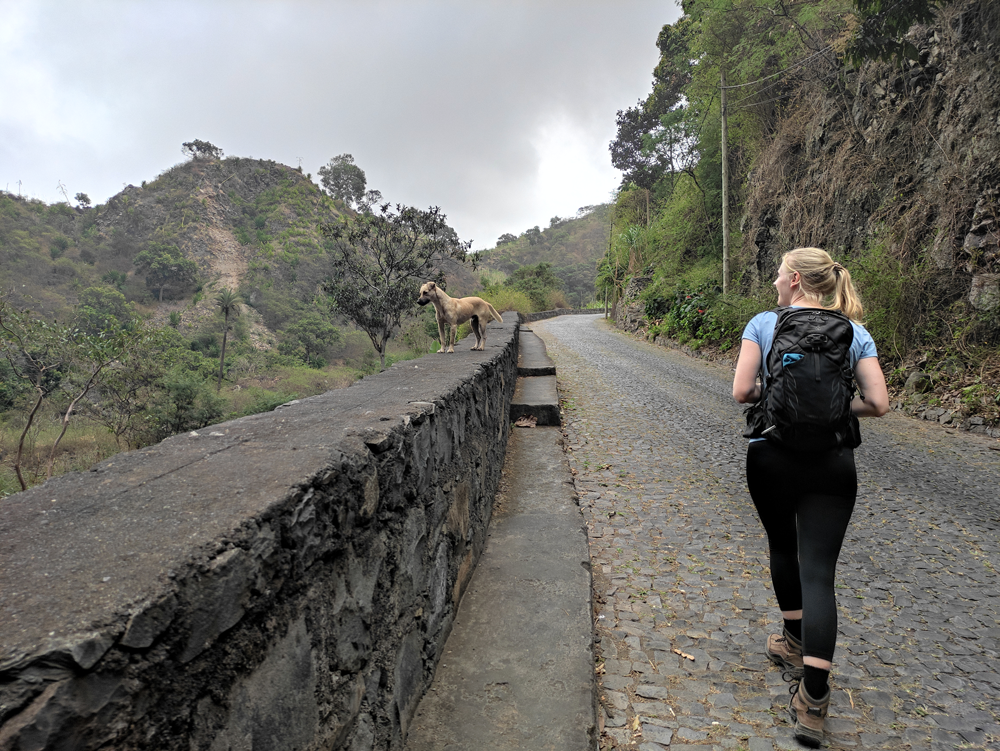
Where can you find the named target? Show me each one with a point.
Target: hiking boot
(785, 651)
(808, 715)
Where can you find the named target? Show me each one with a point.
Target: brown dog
(452, 311)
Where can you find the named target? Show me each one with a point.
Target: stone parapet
(285, 580)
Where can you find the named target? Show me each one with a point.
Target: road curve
(682, 594)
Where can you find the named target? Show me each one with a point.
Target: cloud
(498, 112)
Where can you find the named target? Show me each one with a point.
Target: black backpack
(806, 402)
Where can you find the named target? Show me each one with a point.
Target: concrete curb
(535, 394)
(532, 359)
(517, 671)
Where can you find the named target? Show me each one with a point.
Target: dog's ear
(430, 286)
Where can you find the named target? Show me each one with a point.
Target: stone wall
(285, 580)
(630, 311)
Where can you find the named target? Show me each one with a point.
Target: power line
(799, 64)
(738, 104)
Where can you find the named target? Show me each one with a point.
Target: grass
(84, 445)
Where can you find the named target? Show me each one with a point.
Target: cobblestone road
(683, 598)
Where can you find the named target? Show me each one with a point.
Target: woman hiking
(805, 496)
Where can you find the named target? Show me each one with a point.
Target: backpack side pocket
(756, 420)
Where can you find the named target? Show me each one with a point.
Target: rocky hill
(910, 154)
(247, 224)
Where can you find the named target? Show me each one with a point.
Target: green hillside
(232, 218)
(141, 277)
(246, 224)
(572, 247)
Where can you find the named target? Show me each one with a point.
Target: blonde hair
(825, 279)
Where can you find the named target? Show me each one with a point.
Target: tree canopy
(308, 338)
(201, 150)
(345, 180)
(536, 282)
(166, 268)
(103, 309)
(380, 259)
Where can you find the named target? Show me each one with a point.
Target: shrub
(186, 403)
(254, 400)
(58, 247)
(557, 299)
(207, 343)
(505, 298)
(65, 268)
(894, 293)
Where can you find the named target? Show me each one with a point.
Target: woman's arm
(871, 382)
(746, 390)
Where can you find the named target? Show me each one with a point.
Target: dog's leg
(441, 336)
(452, 335)
(475, 329)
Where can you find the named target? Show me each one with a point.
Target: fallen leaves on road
(528, 421)
(685, 655)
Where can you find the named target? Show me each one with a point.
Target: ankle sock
(794, 628)
(816, 682)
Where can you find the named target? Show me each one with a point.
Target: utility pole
(725, 188)
(611, 236)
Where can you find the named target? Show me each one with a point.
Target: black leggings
(805, 501)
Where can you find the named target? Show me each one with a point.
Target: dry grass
(84, 445)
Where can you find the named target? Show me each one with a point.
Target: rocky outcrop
(630, 310)
(286, 579)
(906, 157)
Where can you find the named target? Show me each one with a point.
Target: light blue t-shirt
(760, 330)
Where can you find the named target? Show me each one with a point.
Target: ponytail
(825, 280)
(845, 297)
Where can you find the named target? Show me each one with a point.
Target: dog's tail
(496, 316)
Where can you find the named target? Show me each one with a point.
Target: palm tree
(229, 303)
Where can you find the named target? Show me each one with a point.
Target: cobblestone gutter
(285, 580)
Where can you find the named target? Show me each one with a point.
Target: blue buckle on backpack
(790, 357)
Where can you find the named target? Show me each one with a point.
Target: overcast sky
(498, 111)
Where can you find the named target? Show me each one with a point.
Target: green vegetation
(883, 26)
(169, 265)
(309, 338)
(528, 289)
(166, 268)
(569, 247)
(803, 171)
(201, 150)
(230, 306)
(343, 179)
